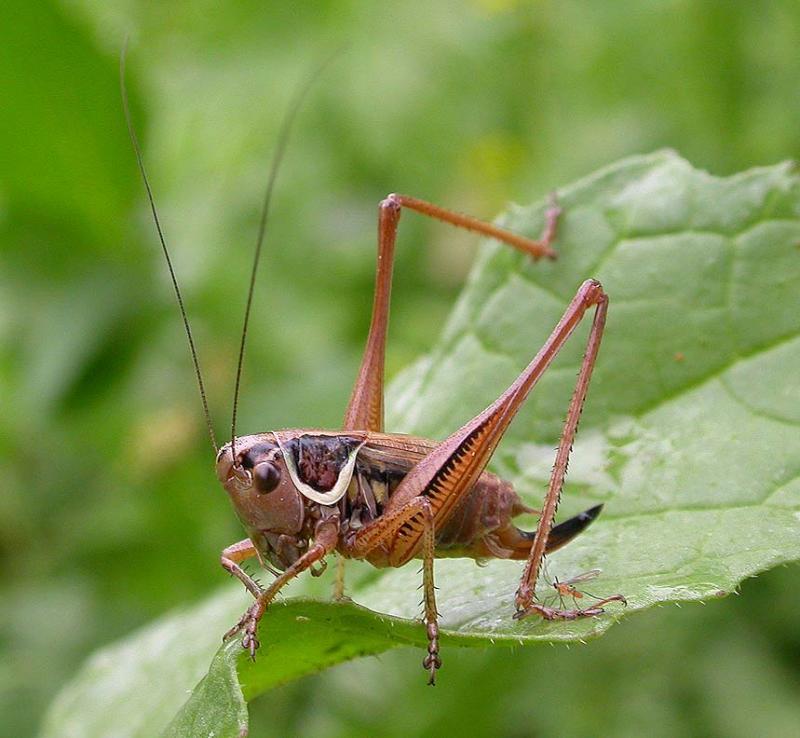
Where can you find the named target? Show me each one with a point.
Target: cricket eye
(266, 477)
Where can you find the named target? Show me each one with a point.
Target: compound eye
(266, 477)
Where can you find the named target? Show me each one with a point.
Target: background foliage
(109, 513)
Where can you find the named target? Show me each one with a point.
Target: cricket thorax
(377, 475)
(321, 466)
(319, 460)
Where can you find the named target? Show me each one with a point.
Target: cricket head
(260, 486)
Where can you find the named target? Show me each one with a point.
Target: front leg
(232, 556)
(325, 540)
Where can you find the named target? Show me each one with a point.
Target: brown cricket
(362, 493)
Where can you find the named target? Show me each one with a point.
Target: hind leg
(365, 409)
(524, 598)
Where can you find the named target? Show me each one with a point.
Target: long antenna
(151, 199)
(280, 149)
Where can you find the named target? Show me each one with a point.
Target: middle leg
(338, 585)
(385, 541)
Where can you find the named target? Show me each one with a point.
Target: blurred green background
(109, 512)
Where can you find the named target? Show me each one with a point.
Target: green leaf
(216, 706)
(690, 436)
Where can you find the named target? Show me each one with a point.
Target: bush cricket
(363, 493)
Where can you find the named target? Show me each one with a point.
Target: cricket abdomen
(481, 526)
